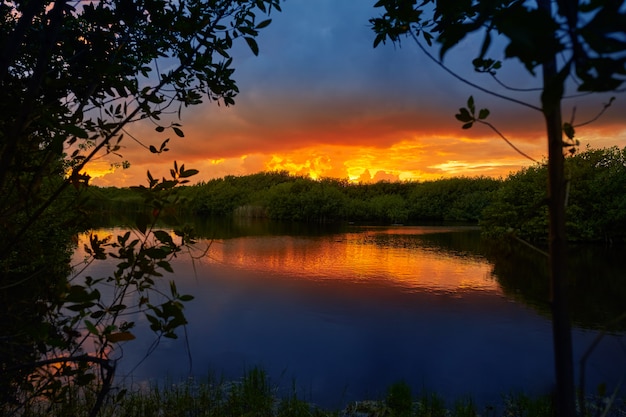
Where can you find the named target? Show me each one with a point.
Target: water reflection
(347, 311)
(393, 256)
(597, 276)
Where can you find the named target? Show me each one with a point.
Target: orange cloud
(356, 138)
(322, 102)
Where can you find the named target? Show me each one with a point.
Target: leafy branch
(467, 115)
(91, 316)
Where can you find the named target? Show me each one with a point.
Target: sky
(320, 101)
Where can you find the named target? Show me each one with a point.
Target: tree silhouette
(74, 75)
(570, 42)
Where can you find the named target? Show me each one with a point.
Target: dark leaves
(531, 34)
(254, 47)
(178, 132)
(263, 24)
(464, 115)
(468, 115)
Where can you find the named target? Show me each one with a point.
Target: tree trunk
(553, 82)
(561, 327)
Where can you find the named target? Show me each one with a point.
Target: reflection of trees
(600, 285)
(522, 274)
(233, 227)
(462, 242)
(597, 282)
(597, 273)
(598, 277)
(224, 227)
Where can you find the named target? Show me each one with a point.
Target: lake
(341, 312)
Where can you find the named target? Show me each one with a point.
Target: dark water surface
(346, 313)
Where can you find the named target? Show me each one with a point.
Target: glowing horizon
(319, 100)
(415, 160)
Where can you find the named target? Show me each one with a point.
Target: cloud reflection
(361, 258)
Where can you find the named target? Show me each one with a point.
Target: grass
(254, 396)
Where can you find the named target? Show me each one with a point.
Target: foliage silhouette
(595, 210)
(582, 42)
(74, 76)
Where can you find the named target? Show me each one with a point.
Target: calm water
(345, 313)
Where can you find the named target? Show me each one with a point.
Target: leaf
(379, 38)
(453, 34)
(155, 324)
(468, 125)
(263, 24)
(159, 129)
(428, 38)
(76, 131)
(188, 173)
(155, 253)
(81, 306)
(483, 114)
(186, 297)
(486, 44)
(470, 105)
(154, 98)
(166, 266)
(153, 149)
(568, 129)
(464, 116)
(531, 35)
(178, 132)
(77, 293)
(91, 327)
(116, 308)
(163, 236)
(121, 337)
(141, 221)
(252, 44)
(97, 314)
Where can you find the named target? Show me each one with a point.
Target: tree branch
(471, 84)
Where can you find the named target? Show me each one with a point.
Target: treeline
(516, 205)
(280, 196)
(596, 199)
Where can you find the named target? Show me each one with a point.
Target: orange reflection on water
(356, 257)
(389, 256)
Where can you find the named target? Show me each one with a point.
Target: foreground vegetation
(75, 76)
(255, 396)
(596, 209)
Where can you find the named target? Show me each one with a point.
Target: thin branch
(507, 141)
(597, 116)
(508, 87)
(530, 245)
(130, 135)
(471, 84)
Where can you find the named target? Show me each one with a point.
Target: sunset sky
(319, 100)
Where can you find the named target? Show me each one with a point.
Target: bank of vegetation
(255, 396)
(596, 209)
